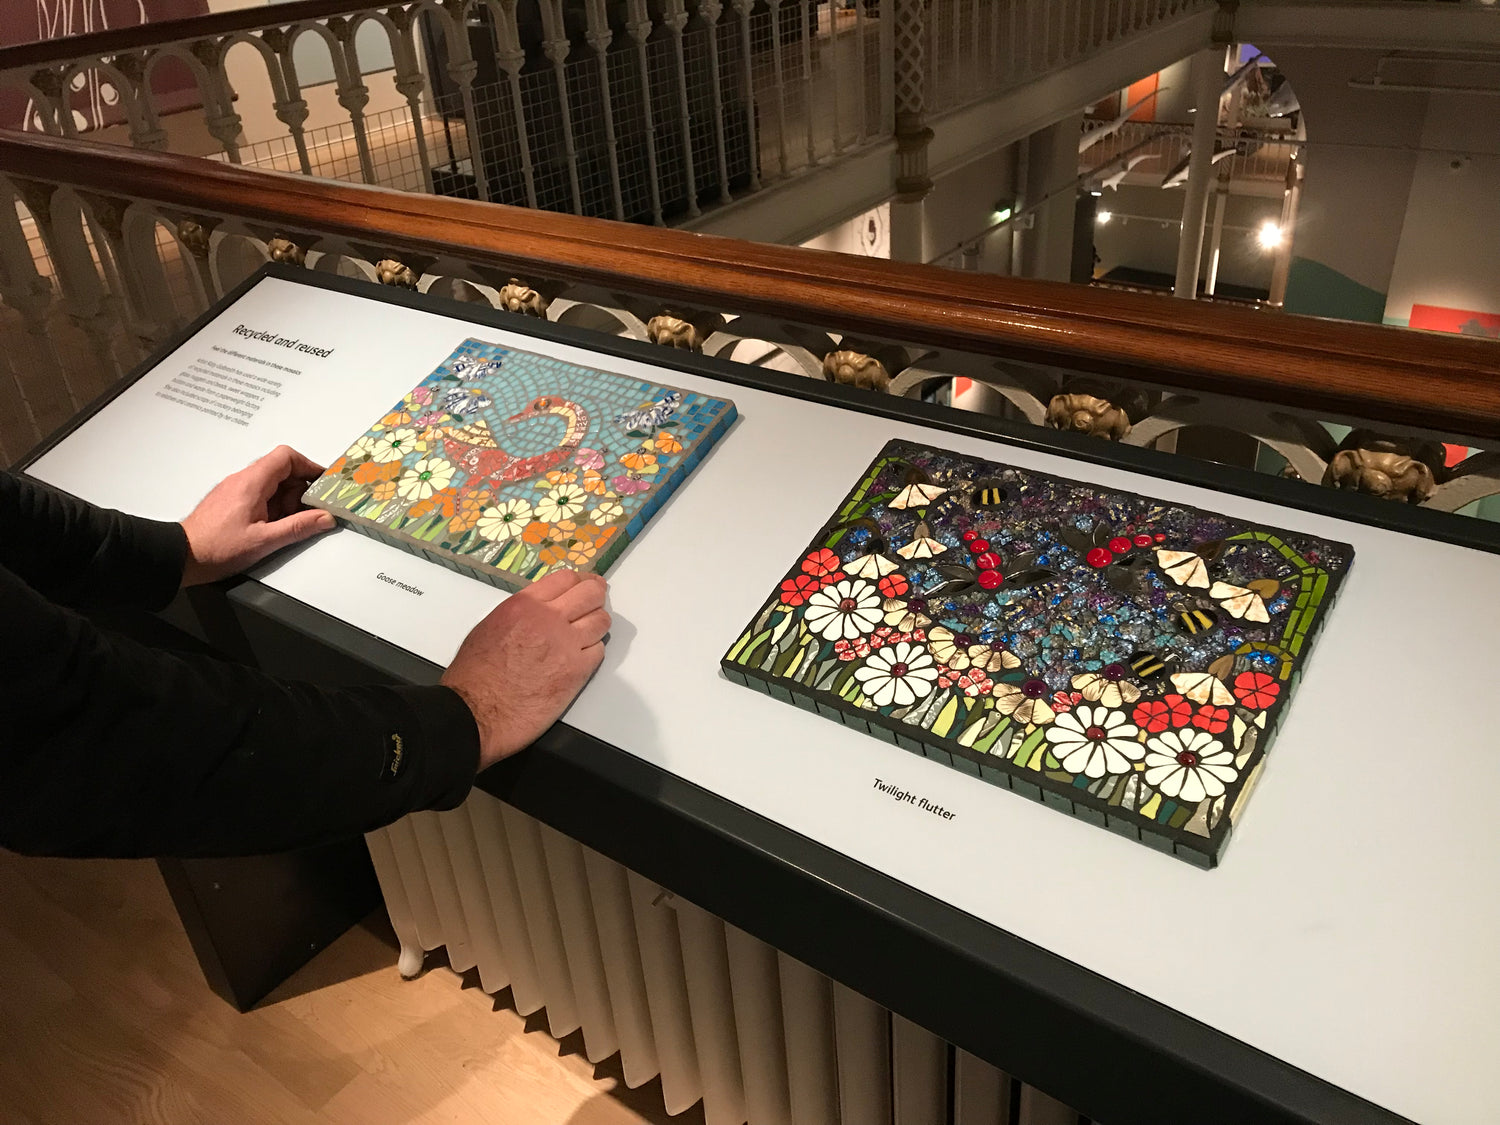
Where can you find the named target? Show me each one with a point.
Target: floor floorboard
(107, 1019)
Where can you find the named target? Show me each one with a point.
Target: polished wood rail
(1385, 375)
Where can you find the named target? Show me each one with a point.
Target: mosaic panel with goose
(1124, 659)
(507, 465)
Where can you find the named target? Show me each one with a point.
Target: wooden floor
(104, 1017)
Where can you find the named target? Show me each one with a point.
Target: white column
(742, 9)
(1216, 236)
(639, 27)
(555, 46)
(1208, 81)
(711, 10)
(675, 16)
(599, 37)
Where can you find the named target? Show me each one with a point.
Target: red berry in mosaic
(987, 561)
(1119, 544)
(989, 579)
(978, 546)
(1099, 557)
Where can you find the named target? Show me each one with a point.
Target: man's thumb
(295, 528)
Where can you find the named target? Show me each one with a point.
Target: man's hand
(250, 514)
(522, 665)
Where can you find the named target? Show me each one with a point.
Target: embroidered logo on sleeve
(395, 757)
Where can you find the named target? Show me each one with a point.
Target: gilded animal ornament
(1088, 414)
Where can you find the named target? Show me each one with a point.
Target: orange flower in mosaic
(442, 503)
(385, 489)
(337, 467)
(594, 483)
(560, 476)
(640, 462)
(536, 533)
(553, 552)
(398, 417)
(588, 541)
(667, 443)
(377, 472)
(471, 506)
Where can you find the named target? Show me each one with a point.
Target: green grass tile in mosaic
(1139, 654)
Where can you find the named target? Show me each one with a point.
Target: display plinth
(1316, 960)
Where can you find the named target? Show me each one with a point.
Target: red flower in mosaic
(822, 564)
(893, 585)
(975, 682)
(851, 650)
(1156, 715)
(1065, 701)
(798, 588)
(1256, 690)
(1213, 719)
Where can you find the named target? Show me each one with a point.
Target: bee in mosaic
(989, 493)
(1150, 666)
(1192, 620)
(649, 415)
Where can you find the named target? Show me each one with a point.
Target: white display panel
(1351, 929)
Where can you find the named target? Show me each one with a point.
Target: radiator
(720, 1017)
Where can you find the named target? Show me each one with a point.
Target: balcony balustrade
(105, 251)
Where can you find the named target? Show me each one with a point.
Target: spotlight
(1103, 217)
(1001, 214)
(1096, 194)
(1269, 235)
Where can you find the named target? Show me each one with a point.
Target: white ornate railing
(624, 109)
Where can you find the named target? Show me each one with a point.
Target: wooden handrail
(1385, 375)
(103, 44)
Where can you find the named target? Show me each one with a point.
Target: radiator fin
(718, 1016)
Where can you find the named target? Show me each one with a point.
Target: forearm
(83, 556)
(115, 749)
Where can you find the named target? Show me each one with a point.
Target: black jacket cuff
(448, 755)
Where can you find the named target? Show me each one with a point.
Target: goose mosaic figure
(473, 447)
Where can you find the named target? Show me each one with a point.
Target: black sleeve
(83, 556)
(109, 748)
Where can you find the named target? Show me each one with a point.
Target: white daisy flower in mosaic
(363, 449)
(900, 675)
(608, 511)
(429, 475)
(845, 610)
(1189, 765)
(392, 446)
(1107, 686)
(505, 521)
(1203, 687)
(873, 567)
(561, 503)
(1094, 741)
